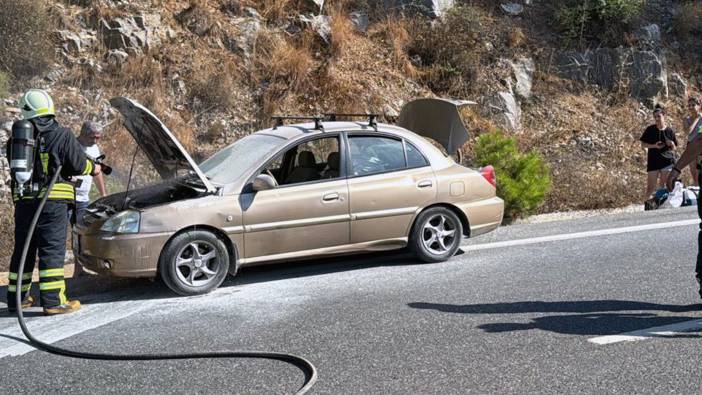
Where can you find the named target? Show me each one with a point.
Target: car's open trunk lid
(158, 143)
(438, 119)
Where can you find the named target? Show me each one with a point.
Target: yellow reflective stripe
(44, 161)
(88, 167)
(62, 296)
(13, 288)
(51, 273)
(61, 196)
(42, 111)
(62, 190)
(52, 285)
(25, 276)
(62, 186)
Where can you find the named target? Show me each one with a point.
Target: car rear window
(370, 155)
(414, 157)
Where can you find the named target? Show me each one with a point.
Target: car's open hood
(438, 119)
(158, 143)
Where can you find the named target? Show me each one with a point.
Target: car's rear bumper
(484, 215)
(120, 255)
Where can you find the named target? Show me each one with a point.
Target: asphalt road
(503, 317)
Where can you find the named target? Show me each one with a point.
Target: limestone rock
(196, 20)
(648, 77)
(505, 105)
(131, 34)
(430, 8)
(512, 9)
(649, 36)
(116, 57)
(677, 85)
(523, 70)
(247, 30)
(321, 24)
(360, 21)
(643, 71)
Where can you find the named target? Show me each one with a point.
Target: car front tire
(194, 263)
(436, 235)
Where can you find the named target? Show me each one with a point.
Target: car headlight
(124, 222)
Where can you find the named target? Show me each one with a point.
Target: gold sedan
(290, 192)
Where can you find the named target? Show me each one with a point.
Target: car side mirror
(264, 182)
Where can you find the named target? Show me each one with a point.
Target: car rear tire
(194, 263)
(436, 235)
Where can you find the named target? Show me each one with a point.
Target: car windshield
(230, 164)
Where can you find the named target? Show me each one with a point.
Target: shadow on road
(306, 268)
(88, 288)
(596, 317)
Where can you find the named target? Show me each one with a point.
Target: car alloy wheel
(436, 234)
(194, 263)
(439, 234)
(197, 264)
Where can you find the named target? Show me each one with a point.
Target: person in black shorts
(660, 141)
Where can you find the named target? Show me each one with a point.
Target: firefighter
(55, 145)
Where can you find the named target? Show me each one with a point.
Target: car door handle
(424, 184)
(330, 197)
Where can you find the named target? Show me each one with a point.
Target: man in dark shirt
(660, 141)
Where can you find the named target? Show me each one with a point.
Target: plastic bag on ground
(675, 198)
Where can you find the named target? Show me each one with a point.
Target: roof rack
(280, 121)
(372, 118)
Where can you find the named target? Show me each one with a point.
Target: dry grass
(26, 49)
(516, 38)
(689, 20)
(453, 52)
(291, 63)
(284, 69)
(342, 31)
(211, 85)
(275, 11)
(394, 31)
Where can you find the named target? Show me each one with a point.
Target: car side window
(370, 155)
(310, 161)
(414, 157)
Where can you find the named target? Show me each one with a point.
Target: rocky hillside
(577, 90)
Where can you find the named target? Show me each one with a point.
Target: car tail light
(489, 173)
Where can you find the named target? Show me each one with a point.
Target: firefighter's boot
(69, 307)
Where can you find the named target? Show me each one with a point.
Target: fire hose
(301, 363)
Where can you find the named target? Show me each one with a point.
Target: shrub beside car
(523, 179)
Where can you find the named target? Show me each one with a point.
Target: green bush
(26, 48)
(604, 20)
(523, 179)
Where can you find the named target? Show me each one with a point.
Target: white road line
(57, 328)
(659, 331)
(570, 236)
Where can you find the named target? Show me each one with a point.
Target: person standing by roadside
(691, 123)
(660, 141)
(90, 134)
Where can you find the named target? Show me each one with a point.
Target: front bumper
(134, 255)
